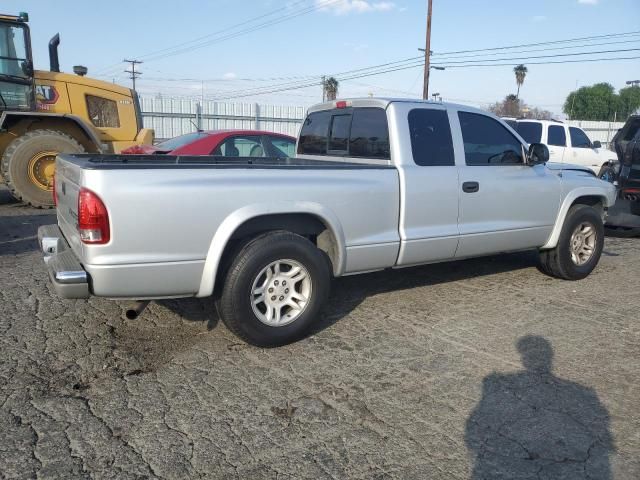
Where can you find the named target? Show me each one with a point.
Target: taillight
(93, 219)
(54, 193)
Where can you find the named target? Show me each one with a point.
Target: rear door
(505, 204)
(556, 142)
(429, 184)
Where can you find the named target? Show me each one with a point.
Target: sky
(238, 53)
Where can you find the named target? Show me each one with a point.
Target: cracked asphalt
(477, 369)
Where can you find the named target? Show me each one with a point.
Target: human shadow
(533, 424)
(18, 233)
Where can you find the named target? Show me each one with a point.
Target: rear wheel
(28, 164)
(579, 245)
(274, 289)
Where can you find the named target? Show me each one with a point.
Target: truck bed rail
(91, 161)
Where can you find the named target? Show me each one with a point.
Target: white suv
(569, 145)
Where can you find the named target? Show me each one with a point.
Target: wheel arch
(19, 123)
(591, 196)
(311, 220)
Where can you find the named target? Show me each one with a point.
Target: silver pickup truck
(376, 184)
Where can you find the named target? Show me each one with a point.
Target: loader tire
(28, 163)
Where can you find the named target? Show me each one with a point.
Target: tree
(509, 107)
(330, 86)
(598, 102)
(521, 72)
(512, 106)
(628, 101)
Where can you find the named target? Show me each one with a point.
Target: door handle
(470, 187)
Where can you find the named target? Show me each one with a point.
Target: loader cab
(17, 91)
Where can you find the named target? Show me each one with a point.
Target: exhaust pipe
(135, 309)
(54, 63)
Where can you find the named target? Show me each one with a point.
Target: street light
(634, 83)
(437, 68)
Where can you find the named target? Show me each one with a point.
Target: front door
(505, 204)
(582, 151)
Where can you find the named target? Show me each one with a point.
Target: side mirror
(538, 154)
(597, 144)
(27, 68)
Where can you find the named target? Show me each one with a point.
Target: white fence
(173, 116)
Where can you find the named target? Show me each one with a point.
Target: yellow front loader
(43, 113)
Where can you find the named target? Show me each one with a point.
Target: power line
(542, 43)
(157, 53)
(420, 64)
(252, 29)
(635, 40)
(407, 62)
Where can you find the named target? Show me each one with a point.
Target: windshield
(15, 82)
(530, 131)
(180, 141)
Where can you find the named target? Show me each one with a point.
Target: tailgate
(68, 179)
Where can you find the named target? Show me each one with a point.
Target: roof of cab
(384, 102)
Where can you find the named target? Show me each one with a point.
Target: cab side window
(103, 112)
(487, 142)
(556, 136)
(430, 133)
(578, 138)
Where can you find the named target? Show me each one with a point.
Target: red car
(228, 143)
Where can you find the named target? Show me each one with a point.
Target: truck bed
(92, 161)
(167, 211)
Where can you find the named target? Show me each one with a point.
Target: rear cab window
(360, 132)
(531, 132)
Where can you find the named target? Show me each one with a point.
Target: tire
(19, 155)
(607, 173)
(248, 272)
(558, 262)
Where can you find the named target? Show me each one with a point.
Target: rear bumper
(620, 215)
(69, 278)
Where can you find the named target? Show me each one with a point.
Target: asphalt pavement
(477, 369)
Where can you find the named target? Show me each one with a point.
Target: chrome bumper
(68, 277)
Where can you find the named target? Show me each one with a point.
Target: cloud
(588, 2)
(539, 18)
(229, 76)
(344, 7)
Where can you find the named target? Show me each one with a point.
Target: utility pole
(133, 72)
(324, 89)
(427, 56)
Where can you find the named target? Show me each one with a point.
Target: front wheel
(274, 289)
(579, 245)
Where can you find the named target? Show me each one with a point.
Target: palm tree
(521, 72)
(330, 86)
